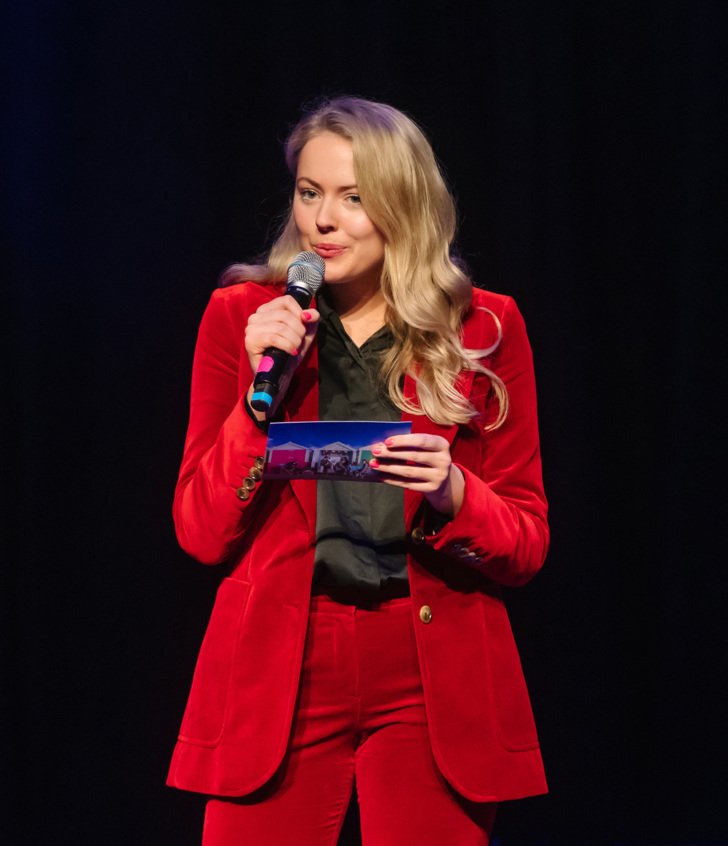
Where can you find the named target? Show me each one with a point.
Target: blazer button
(417, 535)
(425, 613)
(243, 493)
(256, 473)
(248, 483)
(259, 462)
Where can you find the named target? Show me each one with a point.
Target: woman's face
(329, 215)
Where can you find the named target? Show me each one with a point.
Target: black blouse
(360, 532)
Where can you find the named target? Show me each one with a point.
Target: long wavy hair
(426, 293)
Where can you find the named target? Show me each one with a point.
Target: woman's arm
(219, 479)
(222, 444)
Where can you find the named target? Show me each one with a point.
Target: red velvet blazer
(238, 716)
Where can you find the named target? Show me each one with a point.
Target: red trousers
(360, 717)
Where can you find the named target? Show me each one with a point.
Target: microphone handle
(267, 380)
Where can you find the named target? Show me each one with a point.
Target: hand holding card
(421, 463)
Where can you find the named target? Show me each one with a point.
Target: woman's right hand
(280, 323)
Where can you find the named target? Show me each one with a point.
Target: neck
(360, 306)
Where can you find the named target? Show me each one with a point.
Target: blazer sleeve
(211, 511)
(501, 528)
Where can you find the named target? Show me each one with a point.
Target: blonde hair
(427, 294)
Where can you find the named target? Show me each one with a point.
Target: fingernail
(374, 463)
(389, 441)
(376, 450)
(306, 315)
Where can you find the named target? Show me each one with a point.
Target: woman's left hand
(421, 463)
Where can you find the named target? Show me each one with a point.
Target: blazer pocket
(204, 718)
(515, 723)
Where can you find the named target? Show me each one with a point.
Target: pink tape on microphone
(265, 364)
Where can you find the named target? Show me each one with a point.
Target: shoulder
(499, 306)
(247, 294)
(237, 302)
(488, 300)
(484, 321)
(494, 323)
(228, 310)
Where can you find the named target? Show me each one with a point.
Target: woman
(360, 633)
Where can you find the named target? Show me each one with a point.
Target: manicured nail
(376, 450)
(307, 315)
(389, 441)
(374, 463)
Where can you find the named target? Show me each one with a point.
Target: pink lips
(328, 250)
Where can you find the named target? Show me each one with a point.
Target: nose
(326, 216)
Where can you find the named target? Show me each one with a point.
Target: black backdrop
(141, 155)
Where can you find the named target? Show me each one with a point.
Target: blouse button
(425, 613)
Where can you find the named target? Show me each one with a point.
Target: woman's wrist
(258, 417)
(448, 498)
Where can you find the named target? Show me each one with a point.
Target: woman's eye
(307, 194)
(354, 198)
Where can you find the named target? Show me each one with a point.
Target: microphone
(305, 275)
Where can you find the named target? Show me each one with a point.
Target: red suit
(238, 717)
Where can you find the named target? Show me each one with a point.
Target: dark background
(141, 155)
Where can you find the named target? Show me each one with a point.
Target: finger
(284, 303)
(409, 484)
(291, 329)
(415, 457)
(284, 341)
(413, 453)
(310, 318)
(407, 471)
(277, 335)
(279, 315)
(431, 443)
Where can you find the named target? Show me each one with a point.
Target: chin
(334, 275)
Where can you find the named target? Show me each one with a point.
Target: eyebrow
(316, 185)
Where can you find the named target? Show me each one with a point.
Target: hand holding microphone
(280, 331)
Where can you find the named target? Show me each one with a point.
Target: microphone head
(306, 271)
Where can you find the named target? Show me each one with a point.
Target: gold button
(425, 613)
(256, 473)
(243, 493)
(260, 462)
(417, 535)
(248, 483)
